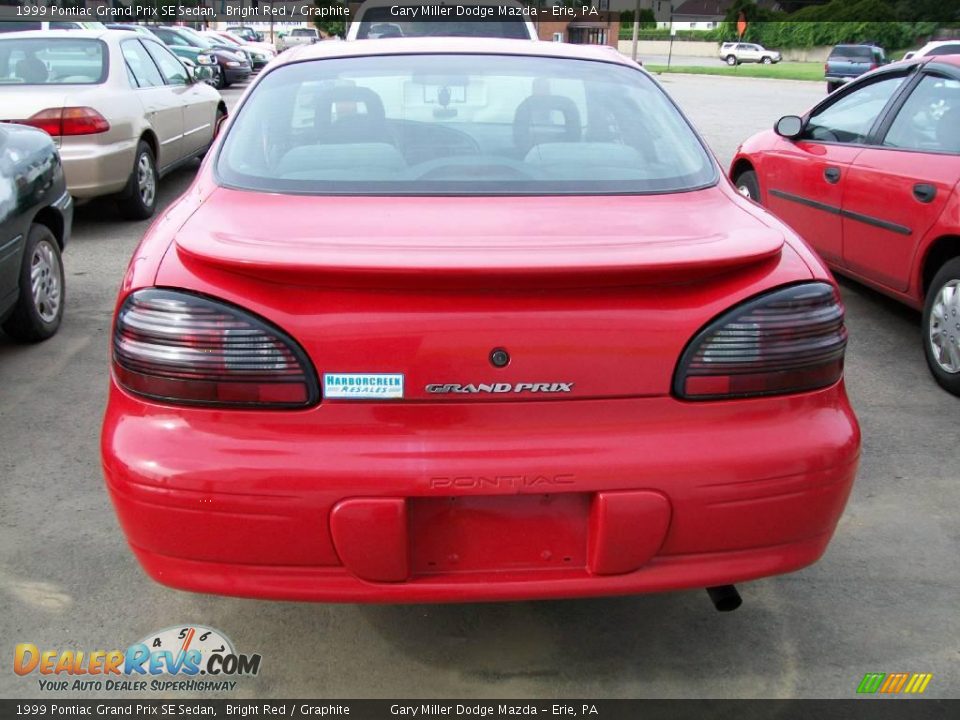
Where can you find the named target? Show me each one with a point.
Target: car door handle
(924, 192)
(832, 175)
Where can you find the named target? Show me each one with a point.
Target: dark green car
(36, 212)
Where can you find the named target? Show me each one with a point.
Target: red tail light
(178, 347)
(788, 340)
(68, 121)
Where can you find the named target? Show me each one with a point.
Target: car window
(459, 124)
(946, 50)
(849, 119)
(143, 69)
(173, 71)
(855, 53)
(52, 61)
(930, 118)
(16, 26)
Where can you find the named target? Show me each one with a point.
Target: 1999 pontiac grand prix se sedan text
(466, 319)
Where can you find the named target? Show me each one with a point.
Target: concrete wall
(698, 48)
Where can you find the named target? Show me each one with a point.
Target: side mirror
(191, 70)
(789, 127)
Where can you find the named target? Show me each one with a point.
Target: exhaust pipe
(725, 598)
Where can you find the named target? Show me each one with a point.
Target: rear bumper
(379, 503)
(93, 170)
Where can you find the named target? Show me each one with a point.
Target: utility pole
(636, 30)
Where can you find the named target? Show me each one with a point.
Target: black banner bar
(943, 12)
(856, 709)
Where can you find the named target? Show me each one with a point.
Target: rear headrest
(529, 128)
(372, 103)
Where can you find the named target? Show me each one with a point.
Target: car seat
(533, 122)
(338, 118)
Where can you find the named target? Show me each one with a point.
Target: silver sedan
(123, 109)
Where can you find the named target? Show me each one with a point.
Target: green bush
(784, 34)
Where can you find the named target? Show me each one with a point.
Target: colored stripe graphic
(918, 683)
(871, 682)
(893, 683)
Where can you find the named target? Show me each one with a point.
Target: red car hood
(364, 240)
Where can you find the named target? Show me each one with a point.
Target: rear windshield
(380, 22)
(52, 61)
(946, 50)
(461, 125)
(304, 32)
(852, 52)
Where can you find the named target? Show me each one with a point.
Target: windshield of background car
(52, 61)
(380, 22)
(853, 53)
(461, 124)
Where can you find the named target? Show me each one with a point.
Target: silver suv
(734, 53)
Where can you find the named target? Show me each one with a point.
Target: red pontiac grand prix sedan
(870, 177)
(456, 319)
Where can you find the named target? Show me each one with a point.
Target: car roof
(946, 60)
(941, 43)
(104, 34)
(452, 46)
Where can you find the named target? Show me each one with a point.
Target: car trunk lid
(589, 297)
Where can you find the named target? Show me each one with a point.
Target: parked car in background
(246, 32)
(122, 109)
(204, 64)
(234, 66)
(735, 53)
(258, 55)
(848, 62)
(935, 48)
(259, 44)
(869, 177)
(24, 26)
(296, 37)
(376, 19)
(36, 212)
(656, 359)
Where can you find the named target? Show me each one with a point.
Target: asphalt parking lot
(883, 599)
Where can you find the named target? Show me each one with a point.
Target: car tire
(140, 200)
(731, 60)
(39, 307)
(832, 86)
(941, 318)
(748, 185)
(220, 81)
(767, 61)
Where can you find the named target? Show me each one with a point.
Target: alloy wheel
(146, 180)
(944, 327)
(45, 281)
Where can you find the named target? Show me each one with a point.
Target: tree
(332, 24)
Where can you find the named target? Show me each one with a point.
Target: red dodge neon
(871, 179)
(457, 319)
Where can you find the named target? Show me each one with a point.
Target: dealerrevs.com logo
(191, 658)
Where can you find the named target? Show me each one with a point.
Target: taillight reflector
(179, 347)
(789, 340)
